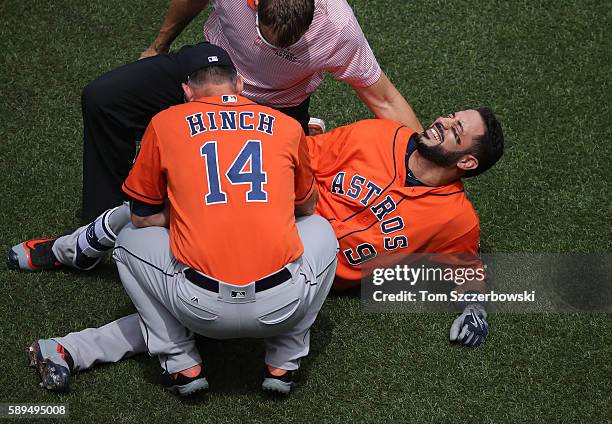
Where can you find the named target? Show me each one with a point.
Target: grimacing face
(450, 138)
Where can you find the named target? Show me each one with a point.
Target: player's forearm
(161, 219)
(178, 16)
(398, 109)
(385, 101)
(309, 206)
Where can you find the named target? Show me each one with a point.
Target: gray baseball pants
(171, 308)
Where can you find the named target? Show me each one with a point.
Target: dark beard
(438, 154)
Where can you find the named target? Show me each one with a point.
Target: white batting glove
(470, 328)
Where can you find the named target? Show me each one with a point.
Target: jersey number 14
(255, 177)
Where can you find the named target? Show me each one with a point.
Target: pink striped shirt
(333, 43)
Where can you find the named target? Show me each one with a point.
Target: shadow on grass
(105, 271)
(353, 293)
(236, 366)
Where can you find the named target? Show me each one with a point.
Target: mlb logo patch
(229, 99)
(238, 294)
(212, 59)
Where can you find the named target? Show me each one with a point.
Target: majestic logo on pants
(238, 294)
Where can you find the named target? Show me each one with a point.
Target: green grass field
(544, 66)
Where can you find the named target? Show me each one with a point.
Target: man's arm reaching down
(385, 101)
(178, 16)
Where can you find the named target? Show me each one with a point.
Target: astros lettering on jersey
(360, 173)
(233, 172)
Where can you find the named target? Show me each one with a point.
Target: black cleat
(278, 384)
(183, 385)
(53, 363)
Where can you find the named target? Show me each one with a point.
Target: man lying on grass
(383, 188)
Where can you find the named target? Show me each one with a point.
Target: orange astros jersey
(360, 172)
(233, 172)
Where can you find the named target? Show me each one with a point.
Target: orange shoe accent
(277, 372)
(190, 372)
(314, 130)
(30, 245)
(61, 351)
(316, 126)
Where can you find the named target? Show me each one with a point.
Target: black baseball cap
(202, 55)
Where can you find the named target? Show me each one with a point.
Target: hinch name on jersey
(230, 120)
